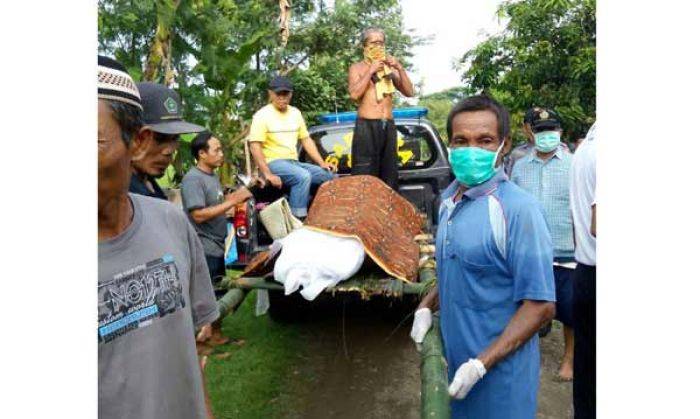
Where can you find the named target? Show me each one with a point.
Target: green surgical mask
(473, 165)
(547, 141)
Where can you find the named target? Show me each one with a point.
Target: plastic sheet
(313, 261)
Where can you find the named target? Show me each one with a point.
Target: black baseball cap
(542, 119)
(530, 115)
(162, 110)
(281, 84)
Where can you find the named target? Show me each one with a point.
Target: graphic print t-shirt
(153, 292)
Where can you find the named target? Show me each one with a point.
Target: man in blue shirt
(544, 172)
(494, 266)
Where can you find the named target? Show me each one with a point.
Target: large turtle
(366, 208)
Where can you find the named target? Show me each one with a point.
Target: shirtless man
(374, 138)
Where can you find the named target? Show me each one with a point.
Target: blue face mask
(473, 165)
(547, 141)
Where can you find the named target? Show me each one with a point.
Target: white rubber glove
(466, 376)
(422, 320)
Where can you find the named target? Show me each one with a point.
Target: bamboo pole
(435, 400)
(426, 275)
(230, 301)
(251, 282)
(391, 286)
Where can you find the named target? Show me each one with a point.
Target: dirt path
(555, 398)
(366, 371)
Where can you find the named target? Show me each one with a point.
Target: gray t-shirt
(153, 292)
(203, 190)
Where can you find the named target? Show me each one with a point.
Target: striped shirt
(549, 183)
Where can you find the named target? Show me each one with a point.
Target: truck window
(415, 147)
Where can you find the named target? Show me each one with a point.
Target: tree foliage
(439, 105)
(545, 56)
(223, 52)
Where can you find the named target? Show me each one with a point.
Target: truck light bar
(401, 113)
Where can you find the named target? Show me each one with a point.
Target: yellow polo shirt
(278, 132)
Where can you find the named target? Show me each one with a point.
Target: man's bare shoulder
(357, 66)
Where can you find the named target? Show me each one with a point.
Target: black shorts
(564, 285)
(374, 150)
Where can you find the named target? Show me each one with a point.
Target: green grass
(255, 381)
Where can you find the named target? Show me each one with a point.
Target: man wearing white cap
(153, 286)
